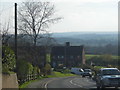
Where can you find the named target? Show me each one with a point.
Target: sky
(78, 15)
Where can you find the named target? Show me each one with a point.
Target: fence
(25, 78)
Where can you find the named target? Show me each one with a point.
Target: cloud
(84, 1)
(85, 15)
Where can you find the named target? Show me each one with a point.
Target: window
(62, 56)
(71, 57)
(111, 72)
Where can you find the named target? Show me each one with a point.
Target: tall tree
(35, 18)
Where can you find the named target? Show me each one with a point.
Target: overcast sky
(79, 15)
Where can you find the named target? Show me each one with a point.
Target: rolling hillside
(86, 38)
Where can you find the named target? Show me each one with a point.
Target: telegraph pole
(16, 33)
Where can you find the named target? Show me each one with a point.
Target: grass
(55, 74)
(8, 72)
(24, 85)
(59, 74)
(88, 56)
(99, 67)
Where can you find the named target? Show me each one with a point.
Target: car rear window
(111, 72)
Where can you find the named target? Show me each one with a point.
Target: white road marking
(71, 81)
(46, 84)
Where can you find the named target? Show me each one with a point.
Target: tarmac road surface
(74, 82)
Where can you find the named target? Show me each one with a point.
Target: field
(88, 56)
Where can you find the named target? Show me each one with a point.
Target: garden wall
(9, 81)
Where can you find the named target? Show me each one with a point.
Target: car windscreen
(87, 70)
(111, 72)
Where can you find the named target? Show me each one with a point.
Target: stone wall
(9, 81)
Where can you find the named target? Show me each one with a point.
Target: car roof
(76, 68)
(87, 69)
(108, 69)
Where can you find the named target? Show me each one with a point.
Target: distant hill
(94, 42)
(87, 38)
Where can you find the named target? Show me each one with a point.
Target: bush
(47, 69)
(8, 60)
(66, 71)
(24, 68)
(85, 66)
(36, 70)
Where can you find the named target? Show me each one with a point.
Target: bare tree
(5, 32)
(35, 18)
(48, 42)
(5, 27)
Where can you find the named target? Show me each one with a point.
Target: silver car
(87, 72)
(108, 77)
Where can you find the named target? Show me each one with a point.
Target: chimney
(67, 43)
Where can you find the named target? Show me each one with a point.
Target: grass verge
(24, 85)
(59, 74)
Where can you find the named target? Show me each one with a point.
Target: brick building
(68, 56)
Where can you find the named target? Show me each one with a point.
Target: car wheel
(90, 76)
(102, 87)
(116, 87)
(83, 76)
(72, 72)
(98, 87)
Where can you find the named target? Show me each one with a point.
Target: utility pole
(65, 56)
(16, 33)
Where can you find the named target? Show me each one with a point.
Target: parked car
(108, 77)
(87, 72)
(78, 71)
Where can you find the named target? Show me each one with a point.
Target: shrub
(66, 71)
(47, 69)
(8, 60)
(24, 68)
(36, 70)
(85, 66)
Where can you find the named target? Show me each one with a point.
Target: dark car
(87, 72)
(108, 77)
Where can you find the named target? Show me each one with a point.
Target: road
(71, 82)
(66, 82)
